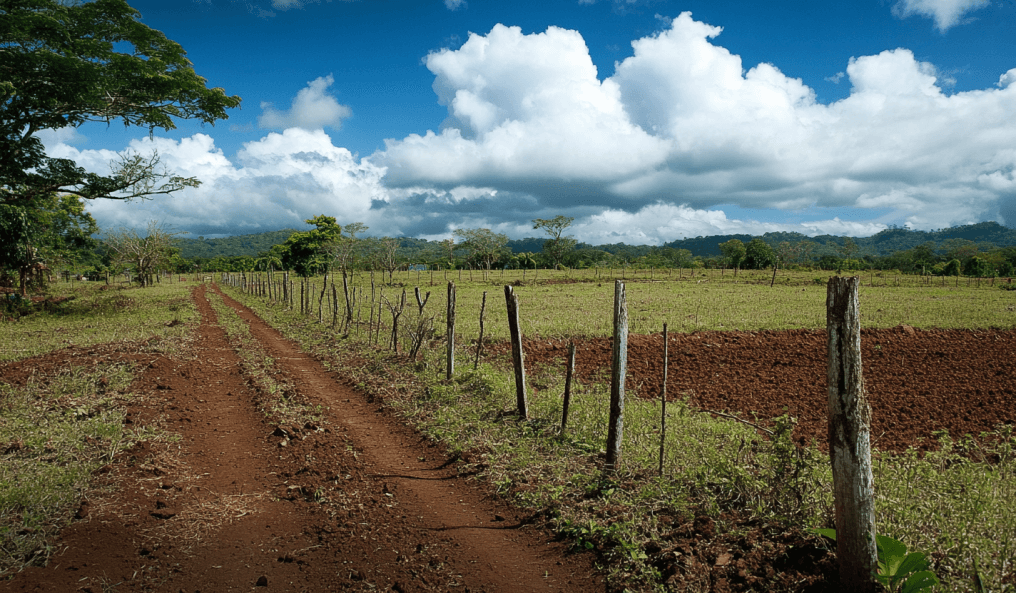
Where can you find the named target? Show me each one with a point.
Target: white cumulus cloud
(522, 107)
(278, 181)
(313, 108)
(946, 13)
(683, 121)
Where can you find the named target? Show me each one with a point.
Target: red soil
(359, 502)
(917, 381)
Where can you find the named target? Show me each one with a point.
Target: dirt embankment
(237, 503)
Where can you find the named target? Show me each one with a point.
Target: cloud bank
(679, 136)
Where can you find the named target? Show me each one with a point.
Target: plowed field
(917, 381)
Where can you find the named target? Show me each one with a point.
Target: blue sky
(645, 120)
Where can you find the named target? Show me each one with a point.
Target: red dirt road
(359, 502)
(917, 381)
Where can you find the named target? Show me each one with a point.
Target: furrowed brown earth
(356, 502)
(917, 381)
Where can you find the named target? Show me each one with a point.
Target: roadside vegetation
(722, 477)
(61, 424)
(84, 314)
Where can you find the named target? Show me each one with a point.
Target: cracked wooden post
(451, 330)
(850, 439)
(619, 364)
(518, 362)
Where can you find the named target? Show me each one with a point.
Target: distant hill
(231, 246)
(887, 242)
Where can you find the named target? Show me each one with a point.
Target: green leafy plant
(898, 571)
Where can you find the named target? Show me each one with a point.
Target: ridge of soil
(356, 502)
(917, 381)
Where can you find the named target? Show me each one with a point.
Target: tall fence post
(451, 330)
(517, 357)
(619, 364)
(663, 400)
(850, 439)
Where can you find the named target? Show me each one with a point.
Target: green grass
(94, 316)
(54, 432)
(58, 428)
(577, 303)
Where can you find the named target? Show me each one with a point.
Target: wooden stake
(518, 361)
(619, 364)
(451, 330)
(479, 342)
(850, 439)
(569, 373)
(663, 400)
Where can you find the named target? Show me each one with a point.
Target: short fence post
(619, 364)
(850, 439)
(569, 373)
(479, 342)
(451, 330)
(517, 356)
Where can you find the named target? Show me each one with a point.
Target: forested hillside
(231, 246)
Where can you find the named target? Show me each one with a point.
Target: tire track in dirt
(358, 503)
(494, 549)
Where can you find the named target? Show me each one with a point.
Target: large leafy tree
(558, 245)
(307, 252)
(733, 251)
(63, 64)
(758, 255)
(485, 247)
(56, 230)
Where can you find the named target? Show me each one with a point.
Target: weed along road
(281, 479)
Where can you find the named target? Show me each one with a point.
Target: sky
(646, 121)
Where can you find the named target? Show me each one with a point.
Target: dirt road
(355, 502)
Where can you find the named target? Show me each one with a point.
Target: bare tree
(142, 253)
(388, 255)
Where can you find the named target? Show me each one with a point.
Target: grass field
(578, 303)
(88, 313)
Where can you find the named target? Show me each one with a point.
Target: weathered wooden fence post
(850, 439)
(518, 361)
(663, 400)
(451, 330)
(569, 373)
(479, 341)
(619, 364)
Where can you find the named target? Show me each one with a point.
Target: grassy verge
(956, 504)
(86, 314)
(54, 432)
(58, 427)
